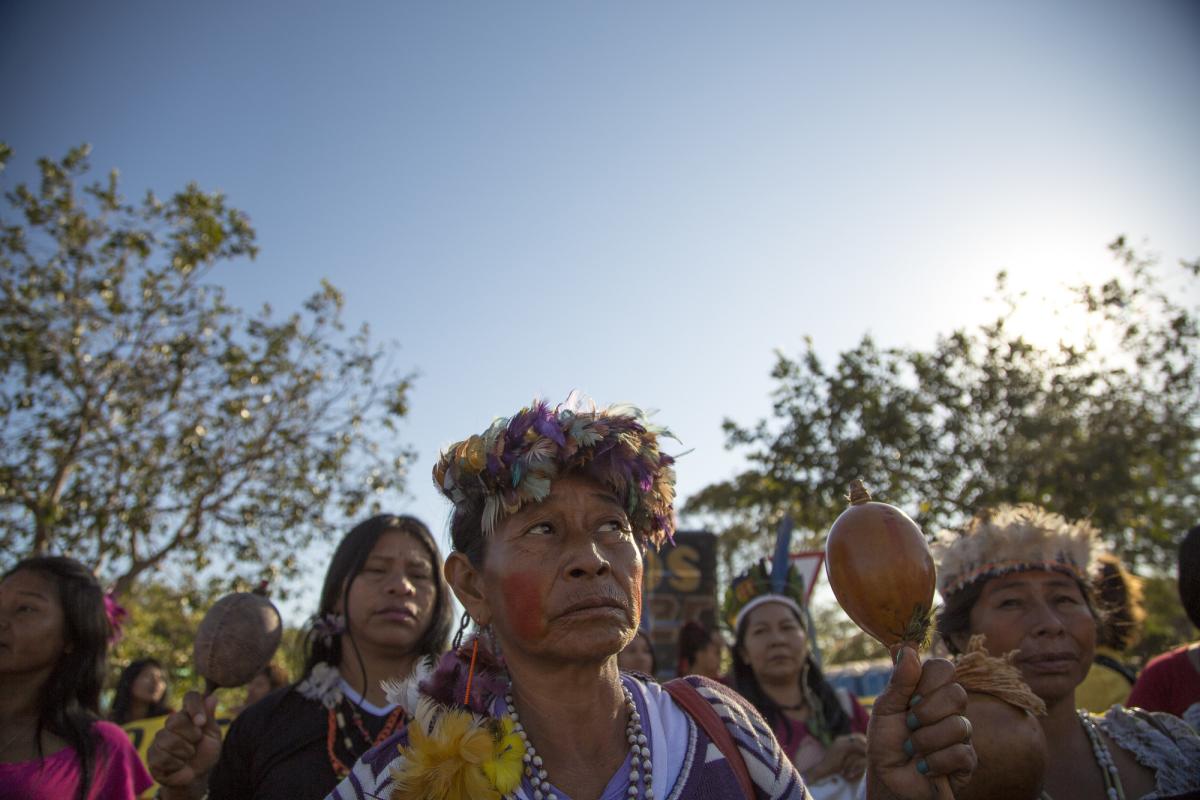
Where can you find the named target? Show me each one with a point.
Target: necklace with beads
(1112, 777)
(641, 771)
(337, 725)
(1113, 790)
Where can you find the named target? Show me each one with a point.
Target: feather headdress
(759, 585)
(1014, 539)
(515, 461)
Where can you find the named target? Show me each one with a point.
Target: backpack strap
(702, 712)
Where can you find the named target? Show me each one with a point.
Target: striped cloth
(685, 759)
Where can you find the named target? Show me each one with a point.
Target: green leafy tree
(840, 639)
(1106, 428)
(143, 419)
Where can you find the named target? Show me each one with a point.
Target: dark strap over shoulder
(1116, 666)
(699, 710)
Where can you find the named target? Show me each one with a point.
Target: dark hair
(693, 637)
(348, 560)
(1119, 595)
(954, 617)
(829, 716)
(69, 700)
(122, 704)
(466, 529)
(1189, 574)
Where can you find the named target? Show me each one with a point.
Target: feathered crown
(1014, 539)
(759, 585)
(515, 460)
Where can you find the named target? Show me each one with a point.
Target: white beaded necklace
(639, 754)
(1112, 777)
(1113, 790)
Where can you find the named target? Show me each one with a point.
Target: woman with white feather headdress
(1019, 577)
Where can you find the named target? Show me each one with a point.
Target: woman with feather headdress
(551, 510)
(822, 730)
(1019, 579)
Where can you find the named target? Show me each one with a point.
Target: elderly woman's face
(1044, 617)
(561, 579)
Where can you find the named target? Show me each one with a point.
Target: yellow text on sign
(680, 569)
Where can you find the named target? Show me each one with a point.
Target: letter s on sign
(683, 565)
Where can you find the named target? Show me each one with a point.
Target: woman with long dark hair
(141, 692)
(384, 613)
(823, 733)
(54, 636)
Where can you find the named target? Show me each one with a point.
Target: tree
(840, 639)
(161, 624)
(144, 419)
(1107, 428)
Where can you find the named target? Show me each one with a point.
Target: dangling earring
(471, 671)
(462, 629)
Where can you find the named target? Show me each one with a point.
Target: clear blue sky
(638, 200)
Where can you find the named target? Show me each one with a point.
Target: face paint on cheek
(523, 603)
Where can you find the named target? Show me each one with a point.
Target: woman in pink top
(53, 645)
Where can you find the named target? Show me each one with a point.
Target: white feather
(1013, 538)
(406, 692)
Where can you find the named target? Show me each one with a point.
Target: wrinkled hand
(918, 732)
(186, 749)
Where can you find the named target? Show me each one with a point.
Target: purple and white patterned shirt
(685, 759)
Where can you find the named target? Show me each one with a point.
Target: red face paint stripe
(524, 606)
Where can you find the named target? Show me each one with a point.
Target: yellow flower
(504, 768)
(444, 757)
(453, 754)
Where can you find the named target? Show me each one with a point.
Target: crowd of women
(544, 689)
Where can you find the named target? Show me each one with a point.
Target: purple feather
(547, 426)
(448, 683)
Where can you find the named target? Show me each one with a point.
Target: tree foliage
(144, 420)
(1106, 428)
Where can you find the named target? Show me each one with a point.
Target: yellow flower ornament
(453, 754)
(504, 769)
